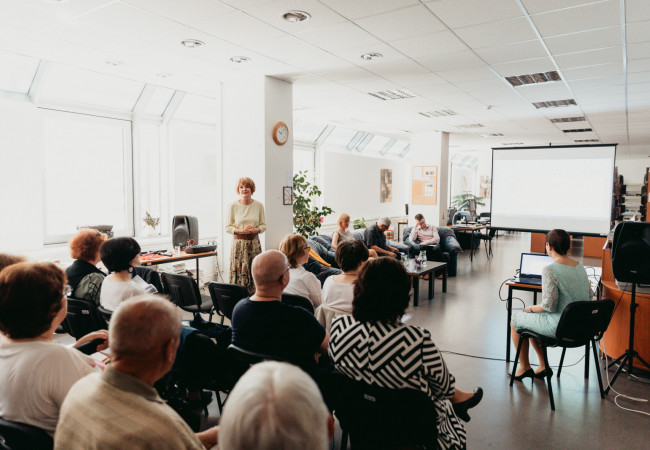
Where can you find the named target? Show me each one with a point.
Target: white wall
(351, 184)
(633, 170)
(21, 177)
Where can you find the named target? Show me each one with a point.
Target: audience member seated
(84, 277)
(564, 281)
(119, 255)
(275, 405)
(338, 290)
(120, 408)
(262, 324)
(362, 348)
(7, 260)
(301, 281)
(445, 251)
(376, 239)
(35, 372)
(342, 233)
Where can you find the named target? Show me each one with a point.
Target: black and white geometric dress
(398, 357)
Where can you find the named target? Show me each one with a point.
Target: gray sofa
(446, 251)
(325, 250)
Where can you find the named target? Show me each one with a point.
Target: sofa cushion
(323, 239)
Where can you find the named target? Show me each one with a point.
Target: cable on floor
(503, 359)
(618, 394)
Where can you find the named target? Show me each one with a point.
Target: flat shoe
(530, 373)
(541, 375)
(461, 408)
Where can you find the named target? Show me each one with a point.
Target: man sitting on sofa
(439, 243)
(376, 239)
(424, 234)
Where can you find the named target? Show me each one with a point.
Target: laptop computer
(530, 268)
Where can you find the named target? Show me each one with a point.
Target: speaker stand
(630, 353)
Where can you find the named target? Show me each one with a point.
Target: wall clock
(280, 133)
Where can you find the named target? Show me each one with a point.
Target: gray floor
(471, 319)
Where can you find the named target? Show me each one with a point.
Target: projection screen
(541, 188)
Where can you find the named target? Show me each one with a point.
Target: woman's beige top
(238, 216)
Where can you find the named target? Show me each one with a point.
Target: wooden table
(514, 286)
(154, 260)
(471, 228)
(433, 269)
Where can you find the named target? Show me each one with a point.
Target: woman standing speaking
(245, 222)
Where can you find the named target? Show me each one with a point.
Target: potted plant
(460, 199)
(151, 223)
(359, 223)
(307, 219)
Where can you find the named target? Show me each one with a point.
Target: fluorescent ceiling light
(554, 103)
(394, 94)
(533, 78)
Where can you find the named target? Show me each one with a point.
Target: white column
(431, 149)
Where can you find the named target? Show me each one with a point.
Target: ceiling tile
(638, 50)
(545, 92)
(636, 10)
(348, 74)
(590, 58)
(429, 44)
(403, 23)
(271, 13)
(463, 13)
(363, 8)
(524, 67)
(639, 65)
(639, 77)
(497, 33)
(535, 6)
(470, 74)
(581, 18)
(182, 12)
(29, 17)
(416, 81)
(128, 21)
(638, 31)
(320, 61)
(396, 68)
(586, 40)
(451, 61)
(338, 37)
(238, 27)
(602, 70)
(284, 48)
(354, 54)
(90, 36)
(512, 52)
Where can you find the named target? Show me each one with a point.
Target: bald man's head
(142, 324)
(269, 267)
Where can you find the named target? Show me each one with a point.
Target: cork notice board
(425, 185)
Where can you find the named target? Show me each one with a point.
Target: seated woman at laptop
(564, 281)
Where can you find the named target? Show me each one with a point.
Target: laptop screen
(532, 264)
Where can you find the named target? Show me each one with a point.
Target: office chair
(82, 318)
(225, 296)
(20, 436)
(298, 300)
(184, 293)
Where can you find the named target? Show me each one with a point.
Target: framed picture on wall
(424, 185)
(385, 185)
(287, 195)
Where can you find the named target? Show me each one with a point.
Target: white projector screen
(542, 188)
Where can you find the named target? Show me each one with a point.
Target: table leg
(444, 280)
(432, 277)
(471, 247)
(416, 290)
(509, 306)
(197, 273)
(534, 297)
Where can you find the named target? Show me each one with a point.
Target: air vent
(554, 103)
(578, 130)
(568, 119)
(396, 94)
(471, 125)
(513, 143)
(440, 113)
(490, 134)
(586, 140)
(533, 78)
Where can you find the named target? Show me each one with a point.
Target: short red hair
(85, 244)
(248, 182)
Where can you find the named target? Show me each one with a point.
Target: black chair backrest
(19, 436)
(83, 318)
(378, 417)
(585, 320)
(225, 296)
(241, 360)
(150, 276)
(297, 300)
(105, 314)
(182, 289)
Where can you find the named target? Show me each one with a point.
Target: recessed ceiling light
(163, 74)
(439, 113)
(371, 56)
(296, 16)
(114, 62)
(240, 59)
(554, 103)
(192, 43)
(393, 94)
(578, 130)
(533, 78)
(568, 119)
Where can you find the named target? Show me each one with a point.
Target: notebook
(530, 268)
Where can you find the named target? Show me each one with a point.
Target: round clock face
(281, 133)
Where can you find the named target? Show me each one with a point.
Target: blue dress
(561, 285)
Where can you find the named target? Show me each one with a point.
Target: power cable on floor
(618, 394)
(503, 359)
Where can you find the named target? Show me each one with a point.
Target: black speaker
(184, 228)
(631, 252)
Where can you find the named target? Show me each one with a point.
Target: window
(88, 175)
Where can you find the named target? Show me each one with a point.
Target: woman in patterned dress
(245, 222)
(375, 347)
(564, 281)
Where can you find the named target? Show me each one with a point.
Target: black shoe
(544, 373)
(461, 408)
(530, 373)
